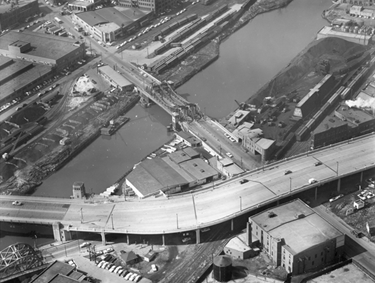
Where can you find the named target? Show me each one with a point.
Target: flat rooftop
(198, 168)
(107, 15)
(329, 122)
(116, 77)
(297, 224)
(44, 45)
(23, 79)
(330, 31)
(353, 115)
(8, 7)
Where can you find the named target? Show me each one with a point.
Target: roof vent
(300, 215)
(271, 214)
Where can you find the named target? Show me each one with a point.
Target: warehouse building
(17, 12)
(60, 272)
(296, 238)
(83, 6)
(40, 48)
(158, 6)
(227, 167)
(108, 24)
(315, 97)
(170, 174)
(350, 119)
(19, 76)
(115, 79)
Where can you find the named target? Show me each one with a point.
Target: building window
(312, 263)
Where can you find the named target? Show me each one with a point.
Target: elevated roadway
(201, 209)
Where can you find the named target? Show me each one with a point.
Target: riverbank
(198, 61)
(27, 179)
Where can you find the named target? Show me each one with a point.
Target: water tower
(222, 268)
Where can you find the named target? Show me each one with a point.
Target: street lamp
(337, 168)
(240, 203)
(177, 219)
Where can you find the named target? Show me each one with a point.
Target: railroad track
(193, 266)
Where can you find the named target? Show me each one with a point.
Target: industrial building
(18, 76)
(350, 119)
(17, 12)
(182, 169)
(83, 6)
(60, 272)
(227, 167)
(189, 139)
(108, 24)
(296, 238)
(115, 79)
(314, 98)
(40, 48)
(329, 31)
(157, 6)
(242, 247)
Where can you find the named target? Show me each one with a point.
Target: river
(248, 59)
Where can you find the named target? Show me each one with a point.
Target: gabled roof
(129, 256)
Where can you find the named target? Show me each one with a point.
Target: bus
(58, 20)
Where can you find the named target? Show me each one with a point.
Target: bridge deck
(205, 208)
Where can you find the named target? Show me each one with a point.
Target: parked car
(287, 172)
(318, 163)
(17, 203)
(187, 239)
(85, 244)
(336, 198)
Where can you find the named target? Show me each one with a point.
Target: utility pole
(113, 227)
(81, 216)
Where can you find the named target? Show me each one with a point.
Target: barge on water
(114, 125)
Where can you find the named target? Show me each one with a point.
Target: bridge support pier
(104, 242)
(163, 239)
(361, 177)
(127, 239)
(316, 193)
(232, 225)
(338, 185)
(198, 236)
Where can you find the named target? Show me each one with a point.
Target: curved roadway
(200, 209)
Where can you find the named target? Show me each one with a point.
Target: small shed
(150, 256)
(130, 258)
(370, 226)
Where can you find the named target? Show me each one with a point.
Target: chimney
(249, 237)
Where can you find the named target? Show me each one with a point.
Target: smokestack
(249, 236)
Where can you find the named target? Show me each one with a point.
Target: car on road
(312, 181)
(85, 244)
(17, 203)
(229, 154)
(287, 172)
(336, 198)
(318, 163)
(356, 233)
(185, 240)
(243, 181)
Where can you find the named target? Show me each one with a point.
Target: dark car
(356, 233)
(318, 163)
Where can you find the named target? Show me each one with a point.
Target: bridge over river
(200, 209)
